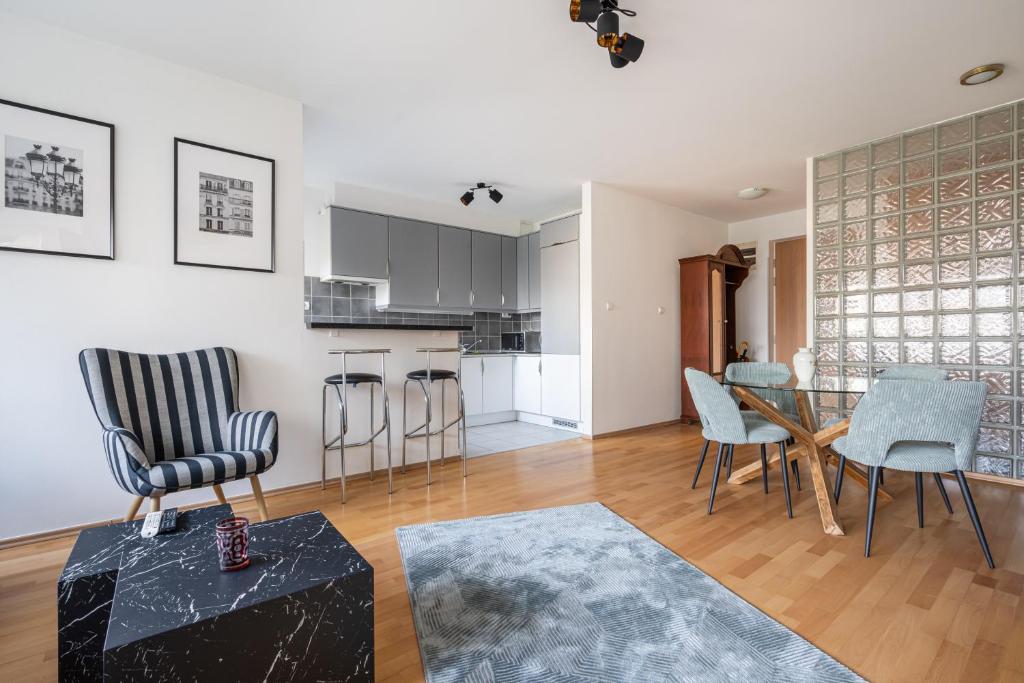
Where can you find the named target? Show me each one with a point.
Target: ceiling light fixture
(468, 196)
(982, 74)
(622, 49)
(752, 193)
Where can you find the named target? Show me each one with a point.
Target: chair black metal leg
(714, 479)
(700, 463)
(973, 512)
(728, 467)
(942, 492)
(785, 479)
(764, 468)
(919, 495)
(840, 473)
(796, 472)
(881, 476)
(874, 474)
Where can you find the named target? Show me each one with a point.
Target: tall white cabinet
(560, 319)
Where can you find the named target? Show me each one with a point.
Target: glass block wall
(918, 259)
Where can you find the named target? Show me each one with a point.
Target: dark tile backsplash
(345, 303)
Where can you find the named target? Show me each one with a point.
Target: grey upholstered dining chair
(724, 422)
(917, 427)
(767, 373)
(917, 373)
(171, 422)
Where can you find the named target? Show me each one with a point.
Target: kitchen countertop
(501, 353)
(315, 325)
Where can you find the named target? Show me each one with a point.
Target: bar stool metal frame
(425, 383)
(341, 390)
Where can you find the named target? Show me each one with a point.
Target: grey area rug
(579, 594)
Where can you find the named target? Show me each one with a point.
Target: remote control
(168, 521)
(151, 526)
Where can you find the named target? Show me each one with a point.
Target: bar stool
(425, 379)
(341, 382)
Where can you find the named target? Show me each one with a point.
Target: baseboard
(633, 430)
(65, 532)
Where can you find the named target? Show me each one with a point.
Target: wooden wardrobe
(707, 300)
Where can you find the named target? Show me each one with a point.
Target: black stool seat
(435, 374)
(354, 378)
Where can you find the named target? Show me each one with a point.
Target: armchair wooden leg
(133, 509)
(154, 504)
(257, 491)
(219, 492)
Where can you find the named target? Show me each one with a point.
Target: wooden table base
(812, 442)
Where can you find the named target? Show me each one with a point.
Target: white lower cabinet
(560, 386)
(487, 384)
(527, 384)
(472, 385)
(498, 378)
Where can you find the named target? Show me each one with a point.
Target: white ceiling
(425, 98)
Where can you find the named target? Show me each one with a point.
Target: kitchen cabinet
(472, 385)
(358, 247)
(533, 243)
(455, 273)
(413, 267)
(560, 386)
(563, 230)
(527, 384)
(523, 272)
(498, 374)
(488, 384)
(486, 271)
(560, 298)
(509, 274)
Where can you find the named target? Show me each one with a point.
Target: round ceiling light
(982, 74)
(752, 193)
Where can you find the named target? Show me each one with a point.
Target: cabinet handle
(437, 298)
(472, 297)
(483, 366)
(502, 299)
(540, 367)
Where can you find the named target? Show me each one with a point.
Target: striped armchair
(171, 422)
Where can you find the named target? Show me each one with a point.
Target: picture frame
(48, 208)
(224, 206)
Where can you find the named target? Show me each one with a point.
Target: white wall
(753, 295)
(629, 250)
(53, 472)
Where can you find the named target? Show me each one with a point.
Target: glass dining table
(771, 401)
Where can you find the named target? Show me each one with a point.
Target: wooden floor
(924, 607)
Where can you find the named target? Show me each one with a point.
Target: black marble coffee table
(131, 608)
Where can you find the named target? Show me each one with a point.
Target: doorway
(787, 317)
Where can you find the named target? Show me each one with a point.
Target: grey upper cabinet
(486, 271)
(535, 281)
(509, 274)
(359, 246)
(455, 273)
(557, 232)
(413, 263)
(523, 272)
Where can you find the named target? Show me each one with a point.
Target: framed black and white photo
(58, 183)
(223, 208)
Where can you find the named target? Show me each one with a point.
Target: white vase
(804, 362)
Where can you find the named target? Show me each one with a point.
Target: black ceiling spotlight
(622, 49)
(468, 197)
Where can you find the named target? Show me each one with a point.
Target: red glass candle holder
(233, 543)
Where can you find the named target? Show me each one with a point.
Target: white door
(472, 389)
(560, 386)
(527, 384)
(498, 377)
